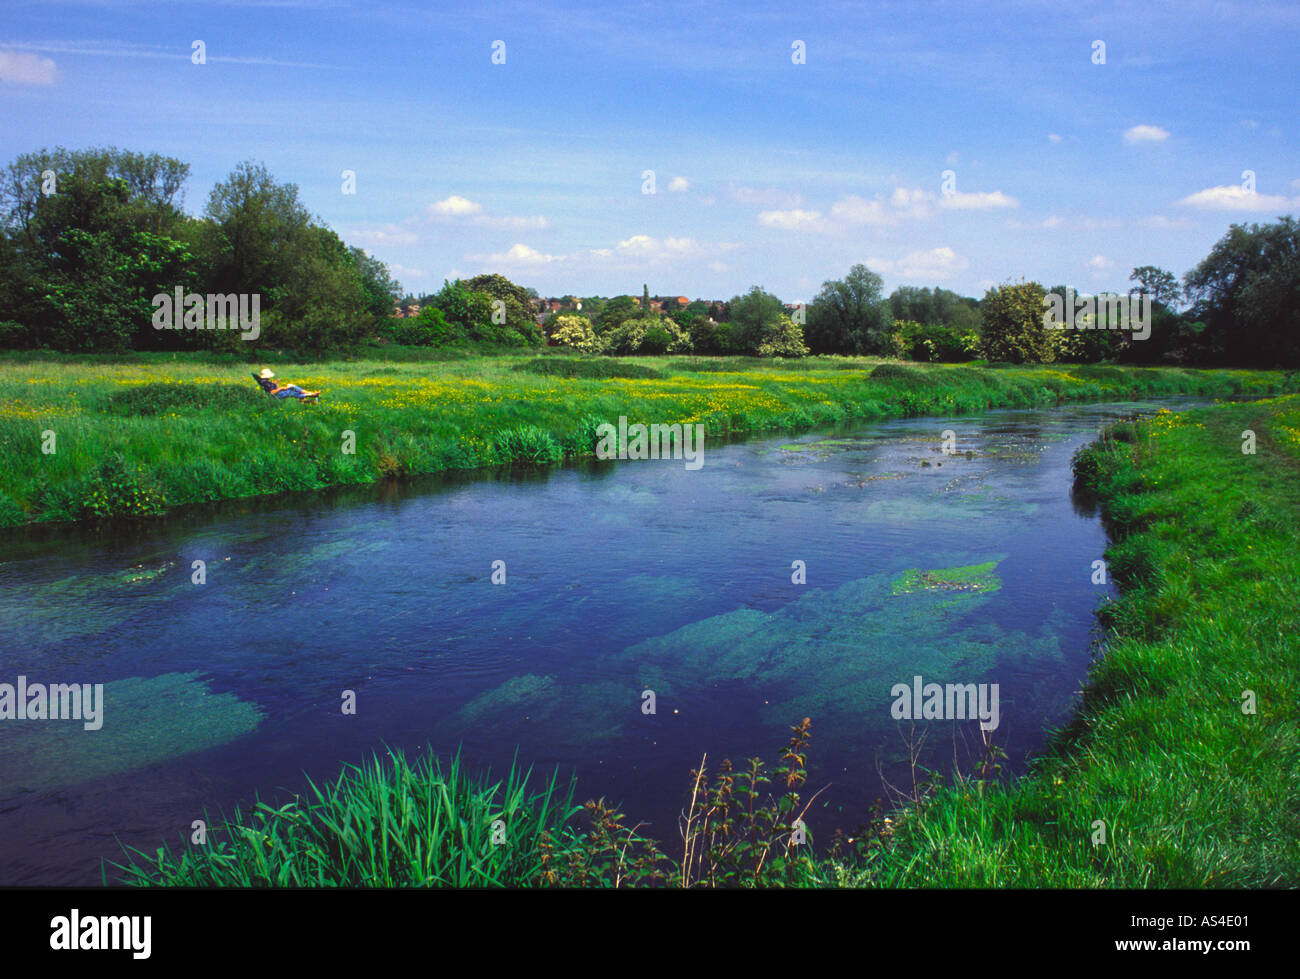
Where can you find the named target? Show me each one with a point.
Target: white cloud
(401, 272)
(771, 197)
(1053, 138)
(1249, 124)
(535, 223)
(649, 249)
(1084, 223)
(456, 208)
(519, 256)
(1145, 134)
(1235, 198)
(1164, 223)
(21, 68)
(793, 220)
(634, 252)
(981, 201)
(855, 210)
(455, 205)
(903, 203)
(679, 185)
(384, 234)
(129, 49)
(1100, 263)
(934, 263)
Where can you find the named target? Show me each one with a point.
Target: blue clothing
(288, 391)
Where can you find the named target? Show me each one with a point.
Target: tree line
(89, 237)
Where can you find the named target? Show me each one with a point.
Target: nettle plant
(117, 489)
(733, 836)
(734, 833)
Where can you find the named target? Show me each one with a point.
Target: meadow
(84, 438)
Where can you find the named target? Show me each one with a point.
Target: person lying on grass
(273, 387)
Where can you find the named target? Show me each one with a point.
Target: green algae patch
(549, 715)
(145, 720)
(835, 654)
(825, 446)
(33, 615)
(517, 693)
(969, 578)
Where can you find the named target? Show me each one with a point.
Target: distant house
(405, 312)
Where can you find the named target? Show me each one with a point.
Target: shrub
(895, 372)
(934, 343)
(581, 367)
(158, 398)
(627, 336)
(708, 337)
(665, 337)
(115, 490)
(1013, 324)
(576, 332)
(430, 329)
(781, 337)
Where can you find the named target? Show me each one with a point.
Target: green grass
(380, 824)
(143, 434)
(1193, 791)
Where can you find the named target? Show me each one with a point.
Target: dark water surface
(620, 577)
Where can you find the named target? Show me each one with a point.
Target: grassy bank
(1193, 791)
(142, 435)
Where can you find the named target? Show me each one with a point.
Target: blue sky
(766, 171)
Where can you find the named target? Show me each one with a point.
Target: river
(619, 578)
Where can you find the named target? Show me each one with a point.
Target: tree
(89, 237)
(256, 233)
(1247, 291)
(81, 273)
(664, 336)
(154, 184)
(614, 312)
(1160, 285)
(708, 337)
(750, 313)
(1013, 324)
(520, 326)
(382, 291)
(323, 302)
(849, 315)
(471, 311)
